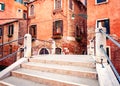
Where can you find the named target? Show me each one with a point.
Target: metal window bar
(112, 66)
(1, 59)
(115, 42)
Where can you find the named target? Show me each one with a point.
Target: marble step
(73, 60)
(62, 69)
(53, 79)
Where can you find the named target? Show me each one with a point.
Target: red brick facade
(11, 17)
(108, 10)
(45, 21)
(45, 15)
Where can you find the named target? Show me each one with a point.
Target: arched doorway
(43, 51)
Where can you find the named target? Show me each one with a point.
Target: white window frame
(101, 2)
(69, 4)
(99, 20)
(54, 4)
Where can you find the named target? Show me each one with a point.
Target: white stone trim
(42, 48)
(70, 38)
(73, 6)
(99, 20)
(101, 2)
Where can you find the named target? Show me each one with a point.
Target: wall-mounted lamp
(81, 15)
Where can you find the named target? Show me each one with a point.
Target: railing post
(100, 40)
(27, 46)
(53, 47)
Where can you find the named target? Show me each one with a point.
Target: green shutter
(2, 6)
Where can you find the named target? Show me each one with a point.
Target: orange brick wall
(45, 15)
(11, 11)
(109, 10)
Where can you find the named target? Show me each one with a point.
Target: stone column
(27, 46)
(53, 47)
(100, 40)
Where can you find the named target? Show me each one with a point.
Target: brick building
(108, 13)
(12, 26)
(51, 19)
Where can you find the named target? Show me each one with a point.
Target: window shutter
(2, 6)
(9, 30)
(12, 29)
(0, 31)
(54, 28)
(61, 25)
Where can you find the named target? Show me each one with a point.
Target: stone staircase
(54, 70)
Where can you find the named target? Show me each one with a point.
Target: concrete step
(53, 79)
(62, 69)
(14, 81)
(73, 60)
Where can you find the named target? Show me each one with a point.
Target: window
(25, 15)
(58, 28)
(1, 32)
(2, 6)
(78, 31)
(33, 31)
(71, 5)
(10, 30)
(78, 34)
(58, 4)
(101, 1)
(32, 10)
(105, 23)
(20, 1)
(58, 50)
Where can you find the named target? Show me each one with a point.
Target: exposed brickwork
(110, 10)
(10, 15)
(45, 15)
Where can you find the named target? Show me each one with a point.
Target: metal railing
(112, 66)
(13, 53)
(108, 59)
(115, 42)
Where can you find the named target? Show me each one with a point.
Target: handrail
(12, 41)
(115, 42)
(113, 68)
(1, 59)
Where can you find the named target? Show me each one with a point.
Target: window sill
(1, 10)
(57, 36)
(32, 16)
(100, 3)
(57, 11)
(10, 35)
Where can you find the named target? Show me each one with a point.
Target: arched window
(43, 51)
(58, 50)
(32, 10)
